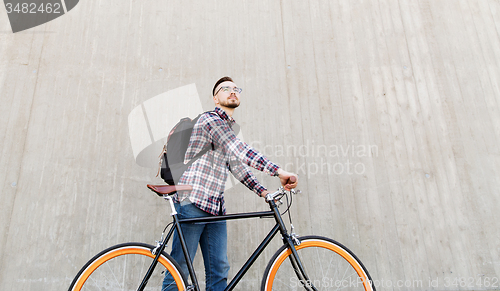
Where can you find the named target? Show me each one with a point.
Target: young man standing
(208, 177)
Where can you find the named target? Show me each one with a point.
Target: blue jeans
(213, 243)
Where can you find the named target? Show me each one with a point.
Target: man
(208, 177)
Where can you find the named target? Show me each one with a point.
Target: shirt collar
(224, 115)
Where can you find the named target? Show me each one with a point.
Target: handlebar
(279, 194)
(281, 191)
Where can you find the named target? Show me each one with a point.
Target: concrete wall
(392, 108)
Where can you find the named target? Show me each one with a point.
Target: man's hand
(286, 179)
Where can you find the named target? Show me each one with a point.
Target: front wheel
(328, 266)
(123, 267)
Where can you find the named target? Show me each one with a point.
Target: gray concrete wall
(403, 95)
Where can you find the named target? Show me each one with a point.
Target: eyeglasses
(227, 89)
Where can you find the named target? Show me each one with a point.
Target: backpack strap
(203, 151)
(206, 149)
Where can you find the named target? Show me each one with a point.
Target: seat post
(169, 198)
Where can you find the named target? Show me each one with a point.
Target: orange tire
(328, 266)
(123, 266)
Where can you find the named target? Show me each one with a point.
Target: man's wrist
(264, 193)
(259, 189)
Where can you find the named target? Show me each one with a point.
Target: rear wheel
(123, 266)
(328, 266)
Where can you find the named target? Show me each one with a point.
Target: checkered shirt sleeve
(209, 173)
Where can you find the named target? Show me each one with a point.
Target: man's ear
(216, 100)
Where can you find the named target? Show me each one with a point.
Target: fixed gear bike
(302, 263)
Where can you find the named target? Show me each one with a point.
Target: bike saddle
(168, 189)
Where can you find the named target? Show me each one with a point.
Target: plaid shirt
(209, 173)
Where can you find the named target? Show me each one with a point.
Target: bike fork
(294, 258)
(299, 268)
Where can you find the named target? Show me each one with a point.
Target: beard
(231, 103)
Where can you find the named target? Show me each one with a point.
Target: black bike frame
(279, 226)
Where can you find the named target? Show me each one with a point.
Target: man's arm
(224, 136)
(246, 177)
(243, 174)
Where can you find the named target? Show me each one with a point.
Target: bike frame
(279, 226)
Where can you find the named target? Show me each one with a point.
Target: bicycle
(302, 263)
